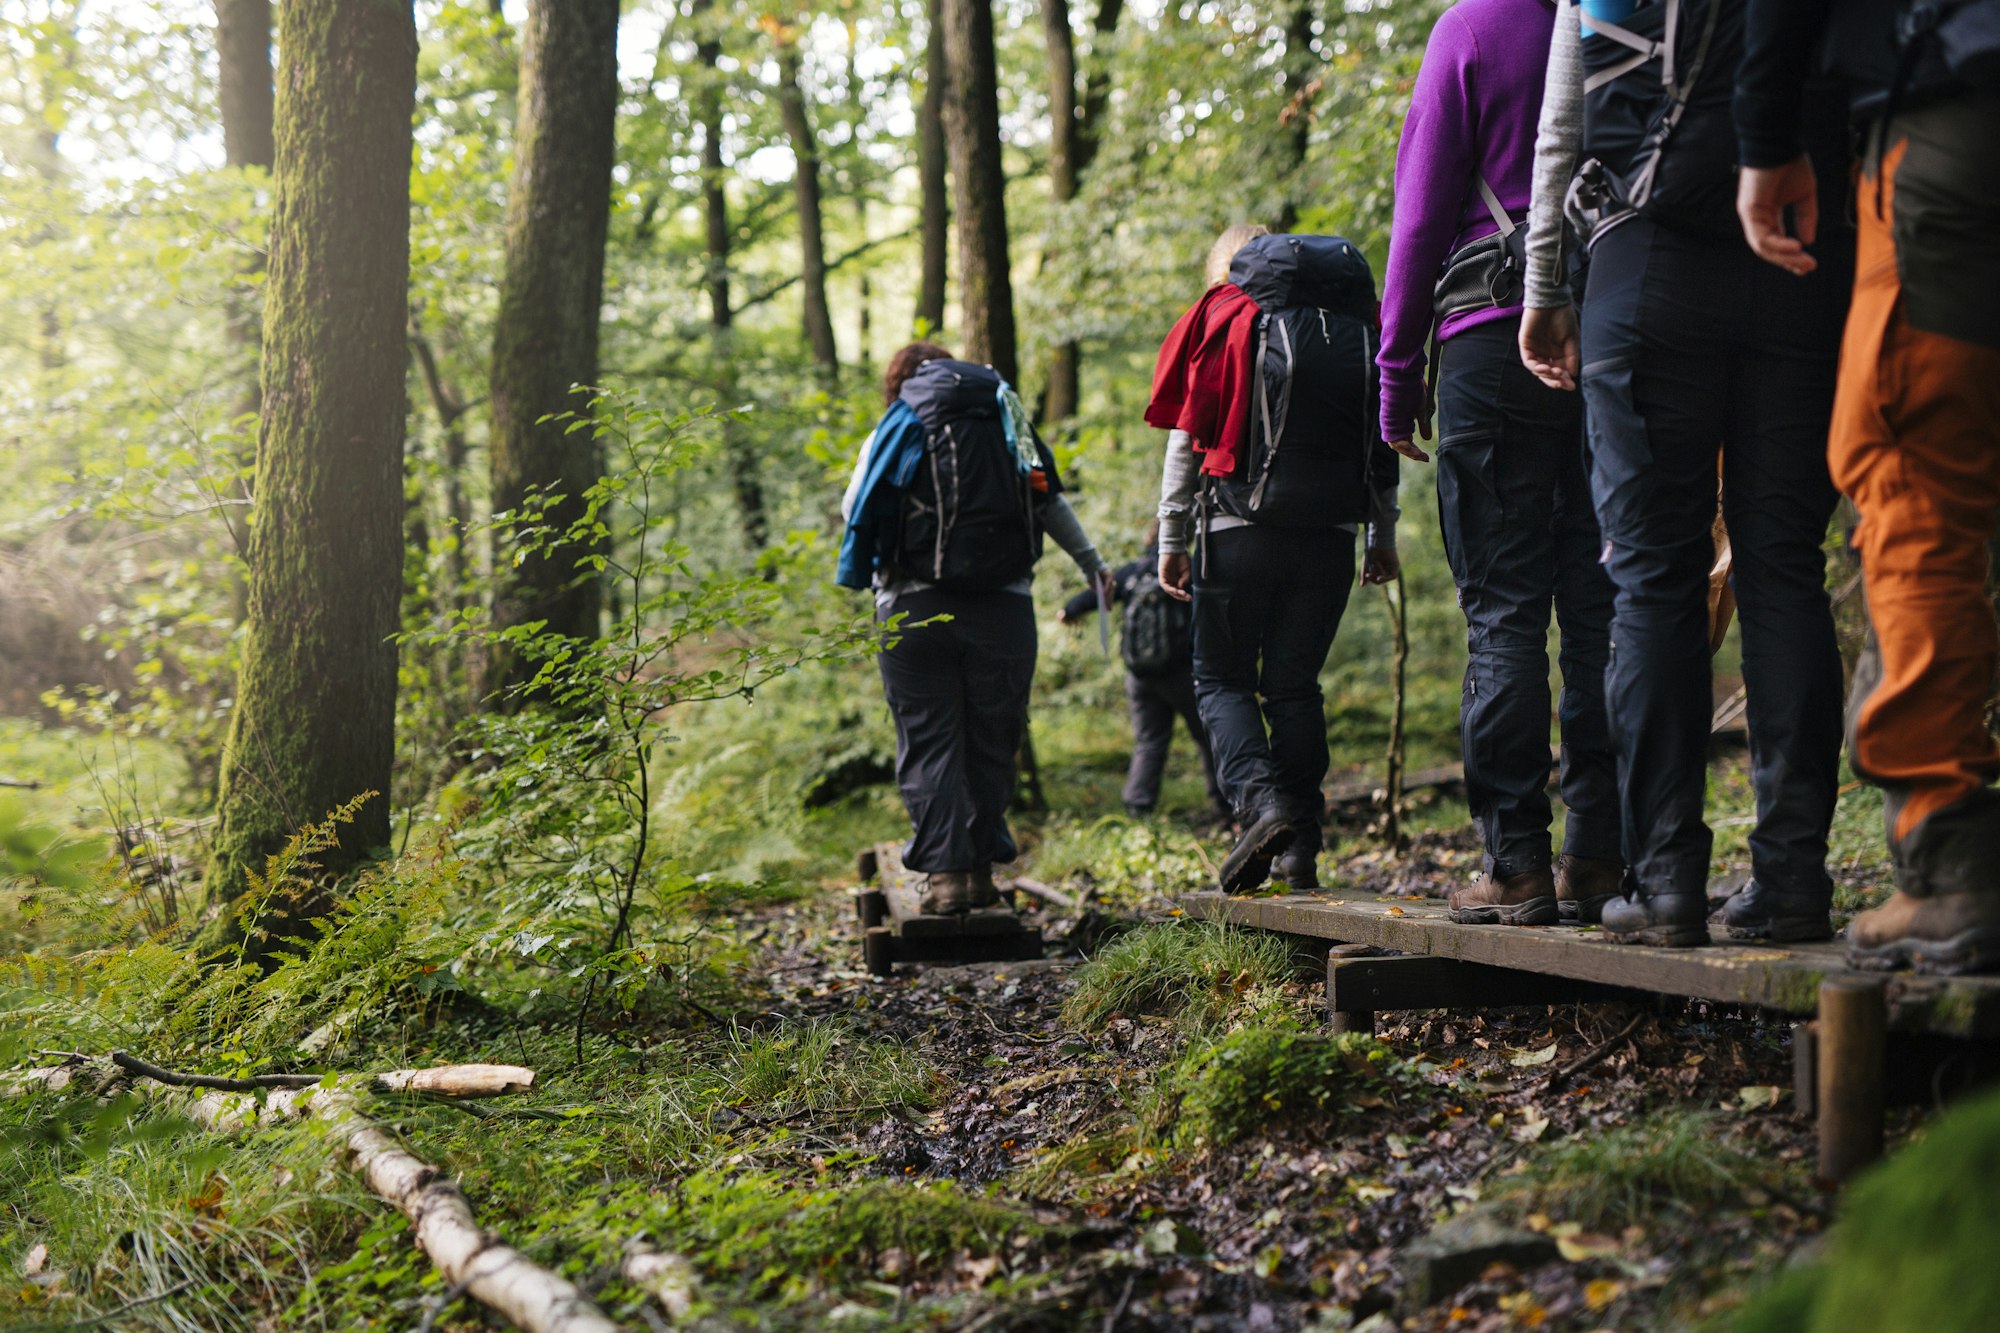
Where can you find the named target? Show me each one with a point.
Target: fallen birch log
(491, 1272)
(667, 1278)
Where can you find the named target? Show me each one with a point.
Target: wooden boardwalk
(1866, 1031)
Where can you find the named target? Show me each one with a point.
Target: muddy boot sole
(1663, 937)
(1781, 930)
(1584, 912)
(1534, 912)
(1249, 865)
(1967, 953)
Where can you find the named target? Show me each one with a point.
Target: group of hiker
(1649, 258)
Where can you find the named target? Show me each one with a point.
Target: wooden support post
(1347, 1019)
(1853, 1028)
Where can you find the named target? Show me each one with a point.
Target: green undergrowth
(1914, 1247)
(1193, 971)
(1261, 1077)
(1679, 1160)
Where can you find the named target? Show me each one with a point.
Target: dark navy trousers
(1693, 346)
(1521, 538)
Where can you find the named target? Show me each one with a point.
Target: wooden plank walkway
(895, 928)
(1780, 977)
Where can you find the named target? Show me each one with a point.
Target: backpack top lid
(1279, 272)
(944, 390)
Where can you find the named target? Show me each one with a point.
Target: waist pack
(969, 519)
(1487, 273)
(1157, 634)
(1644, 93)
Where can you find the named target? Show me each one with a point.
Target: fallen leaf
(1523, 1059)
(1397, 911)
(36, 1258)
(1531, 1129)
(1601, 1292)
(1373, 1193)
(1586, 1246)
(1758, 1097)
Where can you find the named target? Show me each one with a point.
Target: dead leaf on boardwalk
(1524, 1059)
(1397, 911)
(1759, 1097)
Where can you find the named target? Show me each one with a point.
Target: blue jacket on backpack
(887, 468)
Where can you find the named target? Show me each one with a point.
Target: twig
(1047, 894)
(130, 1306)
(1593, 1055)
(21, 784)
(437, 1305)
(1124, 1300)
(132, 1064)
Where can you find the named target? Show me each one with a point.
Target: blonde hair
(1226, 245)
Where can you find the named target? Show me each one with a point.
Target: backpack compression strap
(1644, 50)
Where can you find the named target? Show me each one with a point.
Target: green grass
(1219, 1093)
(823, 1065)
(1191, 970)
(1679, 1160)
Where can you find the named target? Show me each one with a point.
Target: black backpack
(1158, 632)
(969, 521)
(1659, 140)
(1310, 446)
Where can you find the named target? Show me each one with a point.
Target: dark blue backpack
(969, 522)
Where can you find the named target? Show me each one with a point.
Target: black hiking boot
(1297, 867)
(1584, 884)
(985, 893)
(1664, 920)
(1525, 899)
(1249, 864)
(1759, 912)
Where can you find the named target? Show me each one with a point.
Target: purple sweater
(1477, 100)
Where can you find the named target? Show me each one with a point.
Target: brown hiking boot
(1947, 934)
(1583, 885)
(1526, 899)
(947, 893)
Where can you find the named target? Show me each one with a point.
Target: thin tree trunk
(1301, 82)
(972, 131)
(1096, 84)
(314, 723)
(1060, 397)
(745, 477)
(865, 294)
(243, 88)
(545, 334)
(932, 166)
(805, 186)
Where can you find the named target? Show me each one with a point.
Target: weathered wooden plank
(1785, 978)
(904, 933)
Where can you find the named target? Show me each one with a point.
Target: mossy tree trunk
(972, 131)
(314, 723)
(551, 294)
(812, 226)
(932, 167)
(249, 142)
(1072, 144)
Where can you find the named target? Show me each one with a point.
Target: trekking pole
(1392, 819)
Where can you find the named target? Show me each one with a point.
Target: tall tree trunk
(865, 287)
(1060, 398)
(1301, 82)
(545, 334)
(745, 477)
(1096, 84)
(931, 169)
(314, 724)
(243, 88)
(972, 130)
(805, 186)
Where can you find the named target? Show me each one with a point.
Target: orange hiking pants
(1916, 445)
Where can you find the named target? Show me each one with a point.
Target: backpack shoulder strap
(1505, 223)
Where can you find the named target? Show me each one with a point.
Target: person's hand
(1408, 449)
(1065, 618)
(1762, 196)
(1381, 564)
(1550, 347)
(1176, 572)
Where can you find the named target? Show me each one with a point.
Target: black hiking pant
(958, 691)
(1267, 602)
(1155, 702)
(1521, 537)
(1690, 346)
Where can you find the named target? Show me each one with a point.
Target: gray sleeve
(1558, 140)
(1061, 523)
(1177, 484)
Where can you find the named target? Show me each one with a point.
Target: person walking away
(1267, 387)
(1513, 495)
(1916, 425)
(946, 511)
(1155, 641)
(1689, 344)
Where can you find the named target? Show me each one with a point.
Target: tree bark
(745, 477)
(805, 186)
(931, 169)
(1301, 81)
(1059, 399)
(972, 132)
(545, 333)
(314, 723)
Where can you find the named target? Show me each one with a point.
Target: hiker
(945, 515)
(1513, 496)
(1155, 642)
(1690, 346)
(1267, 390)
(1916, 424)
